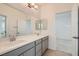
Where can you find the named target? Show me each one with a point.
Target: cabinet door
(44, 44)
(30, 52)
(38, 50)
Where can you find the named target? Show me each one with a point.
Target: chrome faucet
(38, 34)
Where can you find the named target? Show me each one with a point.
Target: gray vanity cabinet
(12, 53)
(43, 47)
(38, 48)
(30, 52)
(20, 50)
(44, 44)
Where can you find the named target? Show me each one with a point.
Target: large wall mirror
(24, 27)
(2, 26)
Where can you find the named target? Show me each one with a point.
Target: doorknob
(75, 37)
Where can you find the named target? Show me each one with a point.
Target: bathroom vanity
(29, 47)
(22, 40)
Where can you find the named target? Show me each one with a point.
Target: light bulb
(35, 6)
(32, 3)
(26, 5)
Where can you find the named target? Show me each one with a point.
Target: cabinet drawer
(44, 46)
(30, 52)
(20, 50)
(38, 41)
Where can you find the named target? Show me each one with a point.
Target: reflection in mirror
(38, 25)
(24, 27)
(2, 26)
(41, 25)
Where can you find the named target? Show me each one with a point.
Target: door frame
(70, 11)
(78, 31)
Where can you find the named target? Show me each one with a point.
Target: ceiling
(21, 7)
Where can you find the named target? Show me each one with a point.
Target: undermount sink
(9, 43)
(16, 42)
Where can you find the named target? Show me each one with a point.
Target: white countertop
(6, 46)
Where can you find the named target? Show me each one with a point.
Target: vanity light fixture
(31, 5)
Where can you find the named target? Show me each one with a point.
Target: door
(75, 29)
(78, 32)
(63, 32)
(44, 44)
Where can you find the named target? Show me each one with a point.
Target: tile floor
(56, 53)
